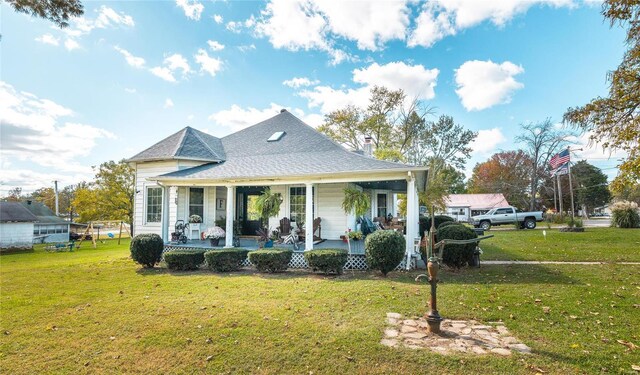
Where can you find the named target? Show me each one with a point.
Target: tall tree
(14, 195)
(56, 11)
(453, 180)
(614, 120)
(46, 196)
(590, 186)
(541, 140)
(391, 123)
(506, 172)
(110, 196)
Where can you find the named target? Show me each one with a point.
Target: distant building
(47, 224)
(462, 206)
(16, 227)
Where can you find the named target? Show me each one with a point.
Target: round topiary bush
(425, 222)
(146, 249)
(183, 260)
(271, 260)
(457, 256)
(326, 260)
(446, 223)
(225, 260)
(384, 250)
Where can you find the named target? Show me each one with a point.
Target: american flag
(560, 159)
(564, 169)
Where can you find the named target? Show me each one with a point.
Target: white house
(462, 206)
(16, 227)
(191, 172)
(49, 227)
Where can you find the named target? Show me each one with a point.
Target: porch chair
(317, 227)
(285, 227)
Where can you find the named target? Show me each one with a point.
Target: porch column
(308, 213)
(412, 217)
(165, 213)
(228, 240)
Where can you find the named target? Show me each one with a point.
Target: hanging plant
(268, 204)
(356, 201)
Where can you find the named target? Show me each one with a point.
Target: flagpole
(559, 193)
(555, 203)
(570, 189)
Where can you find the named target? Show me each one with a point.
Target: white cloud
(48, 39)
(168, 103)
(164, 73)
(30, 180)
(136, 62)
(170, 65)
(483, 84)
(130, 91)
(415, 80)
(592, 151)
(192, 8)
(107, 18)
(71, 44)
(218, 19)
(31, 131)
(208, 64)
(215, 46)
(487, 140)
(237, 118)
(234, 27)
(247, 47)
(190, 117)
(297, 82)
(369, 23)
(441, 18)
(177, 61)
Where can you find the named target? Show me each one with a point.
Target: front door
(248, 215)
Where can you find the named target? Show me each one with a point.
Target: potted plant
(194, 221)
(264, 238)
(214, 234)
(356, 201)
(355, 235)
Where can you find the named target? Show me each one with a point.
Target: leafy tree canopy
(56, 11)
(614, 120)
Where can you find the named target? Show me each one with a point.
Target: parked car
(507, 215)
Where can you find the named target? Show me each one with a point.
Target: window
(275, 137)
(154, 204)
(196, 202)
(382, 205)
(297, 204)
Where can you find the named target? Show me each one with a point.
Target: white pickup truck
(507, 215)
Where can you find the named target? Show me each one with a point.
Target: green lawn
(595, 244)
(95, 311)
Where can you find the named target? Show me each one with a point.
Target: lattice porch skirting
(354, 261)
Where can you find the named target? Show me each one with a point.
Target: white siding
(274, 222)
(329, 209)
(16, 235)
(144, 171)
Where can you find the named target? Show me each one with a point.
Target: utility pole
(55, 189)
(570, 185)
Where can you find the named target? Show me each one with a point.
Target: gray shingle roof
(15, 212)
(188, 143)
(43, 214)
(301, 151)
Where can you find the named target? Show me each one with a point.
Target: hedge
(225, 260)
(457, 256)
(183, 260)
(326, 260)
(146, 249)
(271, 260)
(425, 222)
(384, 250)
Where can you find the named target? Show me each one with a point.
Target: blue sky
(128, 74)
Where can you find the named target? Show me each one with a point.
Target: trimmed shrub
(445, 223)
(326, 260)
(146, 249)
(183, 260)
(425, 222)
(271, 260)
(624, 214)
(384, 250)
(457, 256)
(225, 260)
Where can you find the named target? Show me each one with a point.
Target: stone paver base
(456, 336)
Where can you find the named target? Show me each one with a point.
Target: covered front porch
(305, 202)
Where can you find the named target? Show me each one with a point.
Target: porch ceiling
(399, 186)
